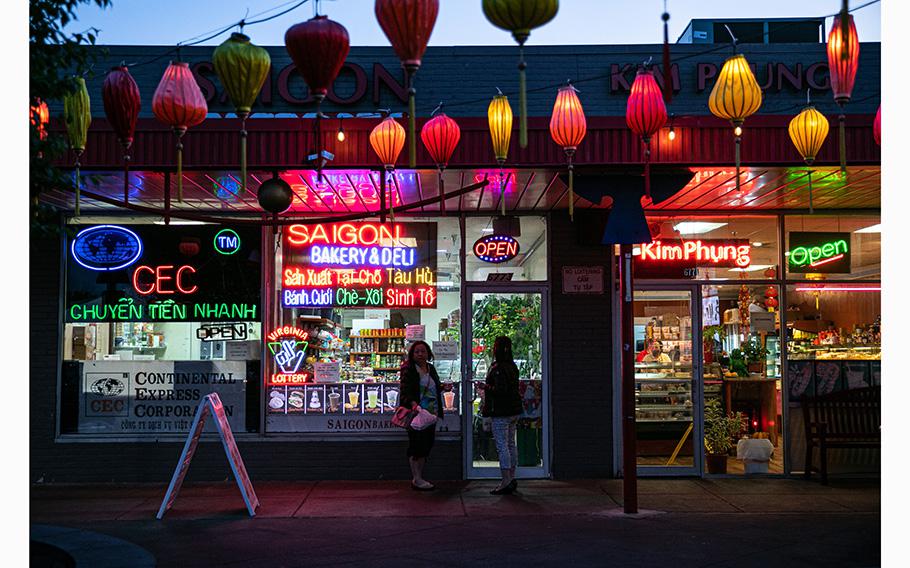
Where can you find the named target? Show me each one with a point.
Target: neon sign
(496, 248)
(106, 247)
(227, 241)
(819, 252)
(160, 276)
(735, 254)
(364, 234)
(360, 256)
(288, 347)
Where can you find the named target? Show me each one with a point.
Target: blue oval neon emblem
(496, 248)
(106, 247)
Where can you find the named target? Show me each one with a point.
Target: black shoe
(505, 490)
(513, 485)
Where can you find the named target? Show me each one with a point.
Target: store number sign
(582, 280)
(368, 265)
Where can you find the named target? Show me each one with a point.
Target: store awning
(352, 191)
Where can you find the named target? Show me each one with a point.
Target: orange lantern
(387, 140)
(39, 116)
(568, 128)
(843, 61)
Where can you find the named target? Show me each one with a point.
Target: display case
(663, 392)
(798, 351)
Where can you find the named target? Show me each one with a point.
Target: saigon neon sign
(815, 256)
(288, 346)
(496, 248)
(736, 254)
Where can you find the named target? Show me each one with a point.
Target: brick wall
(581, 355)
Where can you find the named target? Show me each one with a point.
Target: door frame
(697, 468)
(469, 471)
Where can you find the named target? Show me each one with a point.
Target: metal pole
(629, 451)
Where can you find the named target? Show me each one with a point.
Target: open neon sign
(819, 252)
(819, 255)
(496, 248)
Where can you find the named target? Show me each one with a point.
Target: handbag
(403, 417)
(423, 419)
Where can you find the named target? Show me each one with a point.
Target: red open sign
(496, 248)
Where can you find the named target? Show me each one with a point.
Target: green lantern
(520, 17)
(242, 68)
(77, 115)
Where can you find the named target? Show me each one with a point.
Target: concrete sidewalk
(742, 521)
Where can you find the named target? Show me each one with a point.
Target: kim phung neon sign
(701, 253)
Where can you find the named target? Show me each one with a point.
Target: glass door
(519, 314)
(668, 436)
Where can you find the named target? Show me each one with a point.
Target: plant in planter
(738, 363)
(721, 431)
(755, 355)
(711, 336)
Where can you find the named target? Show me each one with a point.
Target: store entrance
(520, 314)
(667, 381)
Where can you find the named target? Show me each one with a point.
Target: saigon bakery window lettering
(288, 347)
(359, 265)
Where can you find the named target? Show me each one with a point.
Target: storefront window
(709, 248)
(155, 319)
(350, 299)
(742, 355)
(506, 249)
(823, 247)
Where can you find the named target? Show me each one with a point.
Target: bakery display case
(663, 392)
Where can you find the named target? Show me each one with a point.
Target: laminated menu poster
(157, 397)
(367, 265)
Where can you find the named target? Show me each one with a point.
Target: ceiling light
(179, 222)
(871, 229)
(870, 288)
(446, 284)
(758, 244)
(442, 250)
(487, 230)
(696, 227)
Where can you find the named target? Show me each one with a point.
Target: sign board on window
(327, 372)
(761, 321)
(415, 332)
(582, 280)
(499, 277)
(445, 350)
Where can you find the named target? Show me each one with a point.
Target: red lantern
(772, 303)
(121, 106)
(318, 47)
(771, 272)
(408, 24)
(39, 116)
(178, 102)
(568, 127)
(843, 61)
(877, 126)
(387, 140)
(440, 136)
(771, 292)
(645, 115)
(189, 246)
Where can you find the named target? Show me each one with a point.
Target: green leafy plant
(753, 351)
(738, 363)
(721, 429)
(516, 316)
(709, 331)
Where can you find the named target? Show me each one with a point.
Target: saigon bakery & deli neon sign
(820, 255)
(288, 347)
(736, 254)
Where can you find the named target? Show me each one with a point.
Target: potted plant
(755, 355)
(721, 431)
(711, 334)
(738, 363)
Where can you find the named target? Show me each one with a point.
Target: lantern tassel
(243, 134)
(126, 178)
(318, 141)
(810, 192)
(442, 192)
(738, 143)
(571, 191)
(391, 198)
(522, 100)
(382, 198)
(167, 198)
(77, 184)
(502, 190)
(412, 119)
(668, 76)
(842, 135)
(648, 170)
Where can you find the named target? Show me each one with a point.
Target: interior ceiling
(529, 190)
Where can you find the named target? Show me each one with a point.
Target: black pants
(421, 441)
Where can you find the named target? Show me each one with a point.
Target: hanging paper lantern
(318, 47)
(78, 116)
(645, 115)
(408, 24)
(520, 17)
(178, 102)
(387, 140)
(499, 117)
(877, 126)
(120, 94)
(843, 61)
(440, 136)
(568, 128)
(735, 96)
(39, 116)
(808, 131)
(771, 272)
(242, 68)
(771, 303)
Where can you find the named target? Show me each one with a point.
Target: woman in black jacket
(502, 403)
(420, 386)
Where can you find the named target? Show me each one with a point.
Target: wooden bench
(845, 419)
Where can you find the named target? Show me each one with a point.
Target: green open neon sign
(819, 255)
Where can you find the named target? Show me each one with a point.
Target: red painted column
(629, 450)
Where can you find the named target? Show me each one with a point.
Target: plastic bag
(423, 419)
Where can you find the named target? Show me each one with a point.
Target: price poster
(365, 265)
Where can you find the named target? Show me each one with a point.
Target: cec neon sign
(719, 253)
(814, 256)
(496, 248)
(158, 280)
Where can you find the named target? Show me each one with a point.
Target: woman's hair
(502, 350)
(411, 351)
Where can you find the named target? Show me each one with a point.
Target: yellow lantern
(499, 116)
(78, 116)
(808, 131)
(735, 96)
